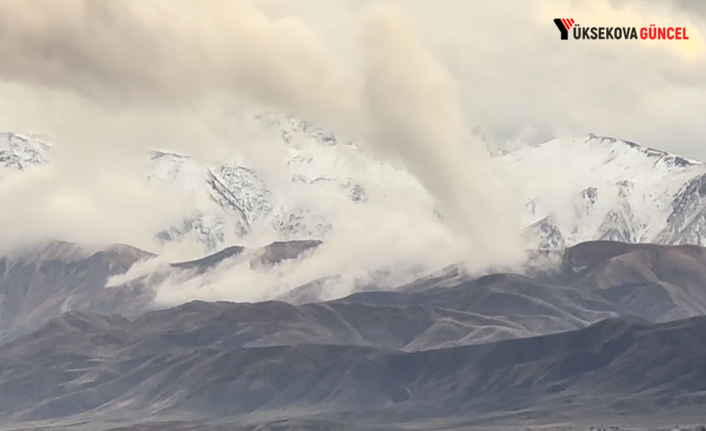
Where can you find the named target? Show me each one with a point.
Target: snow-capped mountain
(324, 175)
(574, 190)
(610, 189)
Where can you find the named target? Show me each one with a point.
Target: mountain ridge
(41, 281)
(614, 189)
(591, 282)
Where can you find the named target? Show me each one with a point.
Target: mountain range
(614, 329)
(611, 189)
(605, 323)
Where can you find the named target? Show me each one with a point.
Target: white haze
(365, 239)
(108, 81)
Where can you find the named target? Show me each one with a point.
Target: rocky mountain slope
(41, 282)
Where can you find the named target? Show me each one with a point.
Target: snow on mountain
(228, 198)
(574, 190)
(18, 152)
(325, 174)
(605, 188)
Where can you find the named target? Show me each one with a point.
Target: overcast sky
(516, 78)
(519, 79)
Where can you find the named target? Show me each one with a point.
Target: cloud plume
(414, 112)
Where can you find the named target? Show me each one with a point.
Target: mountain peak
(667, 158)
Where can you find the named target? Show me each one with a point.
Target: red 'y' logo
(564, 25)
